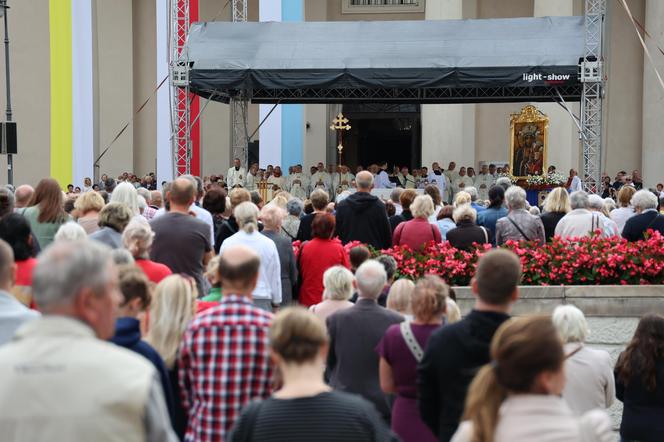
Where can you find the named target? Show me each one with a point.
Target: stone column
(447, 129)
(563, 143)
(653, 99)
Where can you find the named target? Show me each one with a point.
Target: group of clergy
(337, 179)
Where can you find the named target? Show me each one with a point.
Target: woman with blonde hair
(172, 308)
(418, 232)
(305, 407)
(517, 397)
(462, 198)
(137, 238)
(556, 205)
(88, 206)
(399, 297)
(338, 288)
(625, 210)
(401, 349)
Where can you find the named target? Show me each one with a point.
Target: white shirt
(576, 184)
(580, 223)
(12, 315)
(621, 215)
(201, 214)
(269, 274)
(383, 181)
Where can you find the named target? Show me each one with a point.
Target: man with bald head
(12, 312)
(181, 241)
(362, 216)
(227, 342)
(23, 195)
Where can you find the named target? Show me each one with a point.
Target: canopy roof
(446, 61)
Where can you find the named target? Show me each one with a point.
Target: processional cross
(340, 124)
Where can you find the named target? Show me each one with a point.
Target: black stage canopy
(446, 61)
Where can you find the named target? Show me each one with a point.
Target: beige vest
(58, 382)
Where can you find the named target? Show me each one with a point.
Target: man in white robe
(236, 175)
(483, 183)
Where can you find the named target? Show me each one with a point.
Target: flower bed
(586, 261)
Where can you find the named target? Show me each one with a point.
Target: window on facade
(382, 6)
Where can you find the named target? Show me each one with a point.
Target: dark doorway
(389, 133)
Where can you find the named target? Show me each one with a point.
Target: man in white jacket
(236, 175)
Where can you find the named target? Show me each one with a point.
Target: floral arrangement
(549, 180)
(585, 261)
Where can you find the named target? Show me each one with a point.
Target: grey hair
(338, 283)
(395, 194)
(389, 264)
(595, 202)
(246, 215)
(570, 323)
(515, 197)
(70, 231)
(534, 210)
(371, 278)
(115, 215)
(272, 216)
(579, 200)
(122, 257)
(472, 191)
(295, 207)
(422, 206)
(126, 193)
(464, 213)
(197, 182)
(364, 180)
(137, 238)
(644, 200)
(65, 269)
(145, 193)
(504, 182)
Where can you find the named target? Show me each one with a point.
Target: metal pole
(10, 160)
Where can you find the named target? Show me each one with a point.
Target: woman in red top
(137, 238)
(417, 232)
(15, 229)
(318, 255)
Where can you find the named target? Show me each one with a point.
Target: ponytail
(250, 226)
(484, 399)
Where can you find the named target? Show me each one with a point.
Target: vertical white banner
(82, 92)
(270, 132)
(164, 151)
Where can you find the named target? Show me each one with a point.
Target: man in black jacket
(456, 352)
(645, 205)
(362, 216)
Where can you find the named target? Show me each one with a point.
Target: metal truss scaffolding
(592, 78)
(179, 83)
(239, 102)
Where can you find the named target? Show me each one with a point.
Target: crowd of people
(207, 312)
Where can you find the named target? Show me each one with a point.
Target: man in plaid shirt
(224, 358)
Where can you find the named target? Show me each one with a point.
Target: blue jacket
(128, 335)
(489, 217)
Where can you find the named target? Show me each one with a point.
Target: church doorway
(383, 132)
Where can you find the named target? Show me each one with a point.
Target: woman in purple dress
(402, 348)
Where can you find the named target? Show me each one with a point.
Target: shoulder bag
(518, 228)
(411, 342)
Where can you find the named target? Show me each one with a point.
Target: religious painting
(528, 142)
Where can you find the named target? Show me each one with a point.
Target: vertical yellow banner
(61, 90)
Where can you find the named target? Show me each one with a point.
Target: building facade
(124, 44)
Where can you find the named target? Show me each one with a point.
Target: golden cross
(339, 124)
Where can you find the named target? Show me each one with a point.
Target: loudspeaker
(8, 141)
